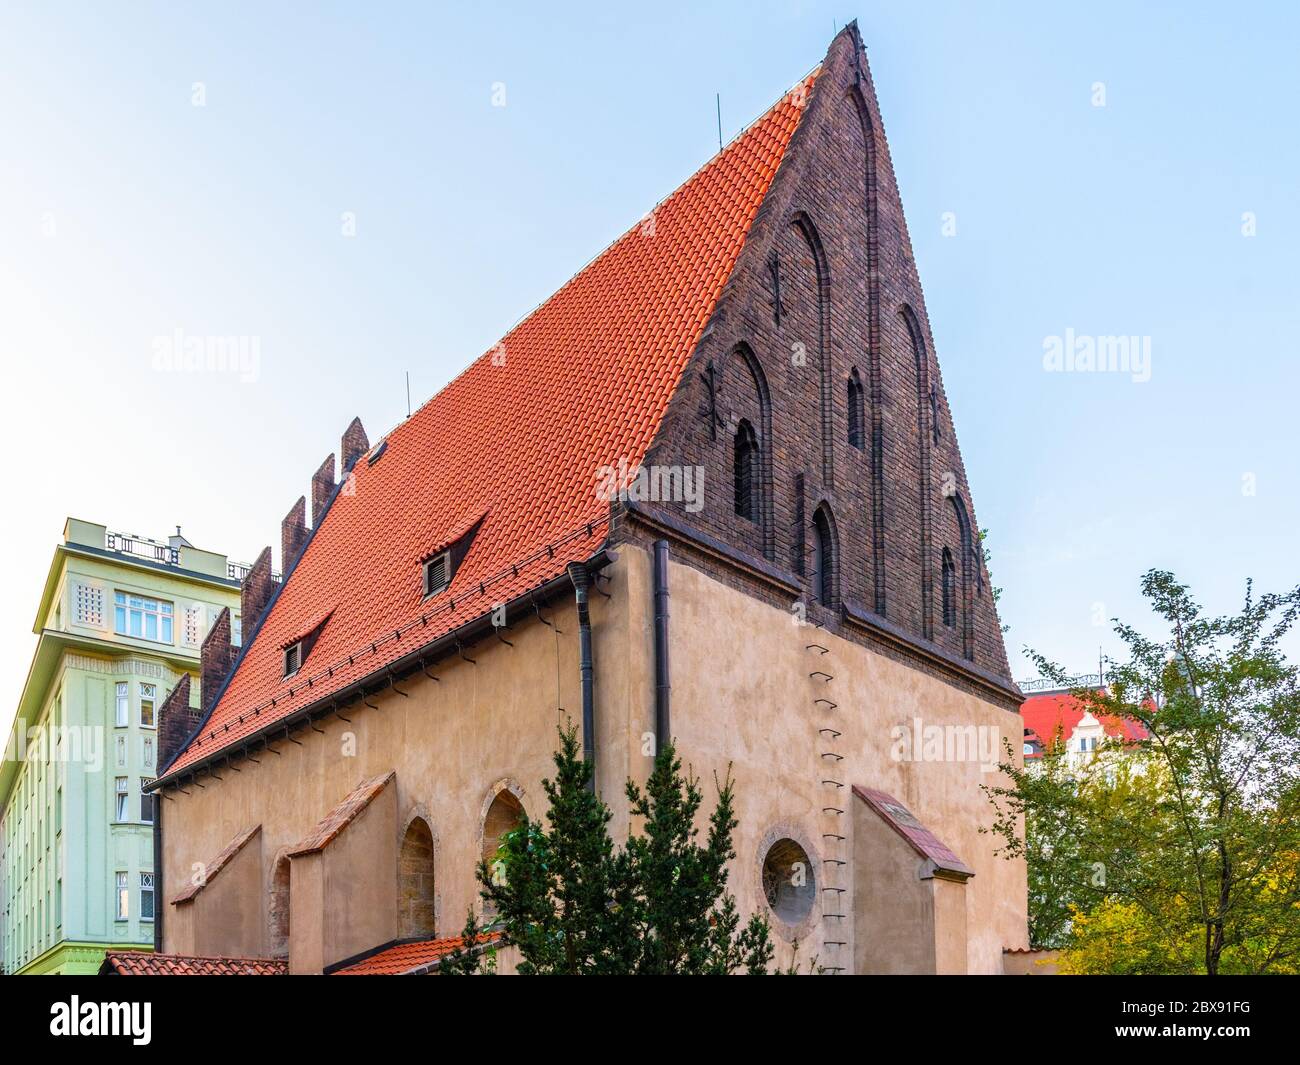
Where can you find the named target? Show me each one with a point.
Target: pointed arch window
(857, 412)
(949, 580)
(823, 558)
(746, 471)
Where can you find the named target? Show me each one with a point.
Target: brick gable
(827, 285)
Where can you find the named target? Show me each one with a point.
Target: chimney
(322, 487)
(293, 534)
(355, 444)
(177, 721)
(215, 658)
(255, 593)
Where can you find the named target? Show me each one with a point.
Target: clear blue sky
(127, 213)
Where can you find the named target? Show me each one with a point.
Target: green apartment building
(121, 619)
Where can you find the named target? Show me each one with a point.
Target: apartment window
(148, 696)
(146, 896)
(123, 704)
(437, 573)
(121, 796)
(141, 617)
(148, 752)
(123, 897)
(292, 659)
(146, 801)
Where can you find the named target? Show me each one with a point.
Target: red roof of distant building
(408, 958)
(520, 435)
(1046, 714)
(144, 963)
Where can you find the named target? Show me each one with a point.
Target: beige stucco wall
(484, 724)
(741, 695)
(219, 920)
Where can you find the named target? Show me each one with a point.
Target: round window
(789, 881)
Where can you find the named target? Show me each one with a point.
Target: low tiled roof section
(581, 383)
(921, 839)
(1046, 714)
(144, 963)
(342, 815)
(217, 864)
(409, 958)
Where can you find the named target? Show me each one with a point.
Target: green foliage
(987, 555)
(1191, 835)
(574, 904)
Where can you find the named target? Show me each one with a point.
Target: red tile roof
(920, 838)
(581, 383)
(144, 963)
(1045, 714)
(347, 811)
(215, 866)
(408, 958)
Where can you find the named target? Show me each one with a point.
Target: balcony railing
(142, 547)
(1046, 684)
(237, 571)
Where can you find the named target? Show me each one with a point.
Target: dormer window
(292, 658)
(438, 569)
(437, 573)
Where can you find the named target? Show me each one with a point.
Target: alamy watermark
(652, 484)
(83, 744)
(1081, 353)
(178, 352)
(918, 742)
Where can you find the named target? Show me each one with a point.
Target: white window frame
(123, 695)
(122, 879)
(144, 782)
(147, 892)
(149, 697)
(292, 654)
(121, 798)
(127, 607)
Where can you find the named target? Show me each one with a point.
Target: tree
(574, 904)
(1195, 827)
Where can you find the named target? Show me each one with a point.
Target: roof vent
(378, 453)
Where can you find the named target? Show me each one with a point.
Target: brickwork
(831, 239)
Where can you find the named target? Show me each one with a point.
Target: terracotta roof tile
(145, 963)
(1046, 715)
(406, 959)
(217, 864)
(920, 838)
(581, 383)
(342, 815)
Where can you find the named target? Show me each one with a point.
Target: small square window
(437, 573)
(292, 659)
